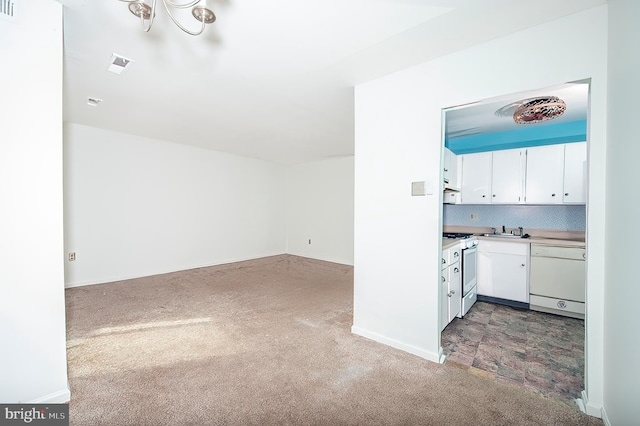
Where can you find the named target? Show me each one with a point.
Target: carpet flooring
(264, 342)
(540, 352)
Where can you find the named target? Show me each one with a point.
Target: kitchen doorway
(540, 351)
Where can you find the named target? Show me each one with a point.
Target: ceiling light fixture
(539, 109)
(146, 11)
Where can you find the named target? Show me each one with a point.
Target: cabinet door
(446, 165)
(508, 176)
(545, 174)
(503, 275)
(510, 277)
(444, 300)
(476, 178)
(455, 292)
(575, 173)
(450, 169)
(485, 274)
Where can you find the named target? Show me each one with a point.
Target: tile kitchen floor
(543, 353)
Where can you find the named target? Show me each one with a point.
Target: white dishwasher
(557, 280)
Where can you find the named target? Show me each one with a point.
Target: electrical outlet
(72, 256)
(473, 216)
(309, 240)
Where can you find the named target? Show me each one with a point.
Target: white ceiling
(481, 117)
(269, 79)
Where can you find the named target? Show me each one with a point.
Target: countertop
(538, 236)
(539, 240)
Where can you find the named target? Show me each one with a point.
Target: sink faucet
(521, 231)
(504, 231)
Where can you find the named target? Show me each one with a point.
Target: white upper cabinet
(551, 174)
(450, 165)
(507, 176)
(545, 174)
(575, 173)
(476, 178)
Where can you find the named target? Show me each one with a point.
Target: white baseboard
(431, 356)
(60, 397)
(144, 274)
(605, 419)
(589, 408)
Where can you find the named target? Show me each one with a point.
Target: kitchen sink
(505, 236)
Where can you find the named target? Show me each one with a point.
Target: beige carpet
(264, 342)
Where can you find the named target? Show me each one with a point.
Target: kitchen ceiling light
(146, 11)
(539, 109)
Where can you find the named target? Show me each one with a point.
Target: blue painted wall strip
(528, 135)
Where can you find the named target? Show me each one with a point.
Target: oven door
(469, 269)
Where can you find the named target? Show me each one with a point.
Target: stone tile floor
(543, 353)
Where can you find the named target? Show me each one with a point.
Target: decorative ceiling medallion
(537, 110)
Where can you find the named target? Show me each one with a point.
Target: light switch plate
(418, 188)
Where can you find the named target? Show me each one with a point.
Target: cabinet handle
(553, 195)
(451, 293)
(494, 195)
(444, 261)
(456, 270)
(522, 264)
(443, 280)
(446, 170)
(456, 254)
(566, 194)
(483, 196)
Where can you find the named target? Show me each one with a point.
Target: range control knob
(562, 304)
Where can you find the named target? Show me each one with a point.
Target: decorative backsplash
(561, 218)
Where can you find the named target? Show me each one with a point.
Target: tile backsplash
(561, 218)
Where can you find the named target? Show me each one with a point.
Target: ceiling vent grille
(119, 64)
(8, 10)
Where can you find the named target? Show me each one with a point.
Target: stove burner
(456, 235)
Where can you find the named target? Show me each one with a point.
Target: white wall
(319, 207)
(398, 140)
(136, 206)
(33, 365)
(621, 345)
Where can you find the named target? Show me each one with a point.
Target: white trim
(60, 397)
(185, 268)
(431, 356)
(590, 409)
(605, 419)
(442, 358)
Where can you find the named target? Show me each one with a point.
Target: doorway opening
(498, 168)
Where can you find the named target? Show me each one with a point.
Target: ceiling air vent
(8, 10)
(119, 64)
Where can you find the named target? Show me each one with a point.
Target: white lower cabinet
(503, 270)
(450, 286)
